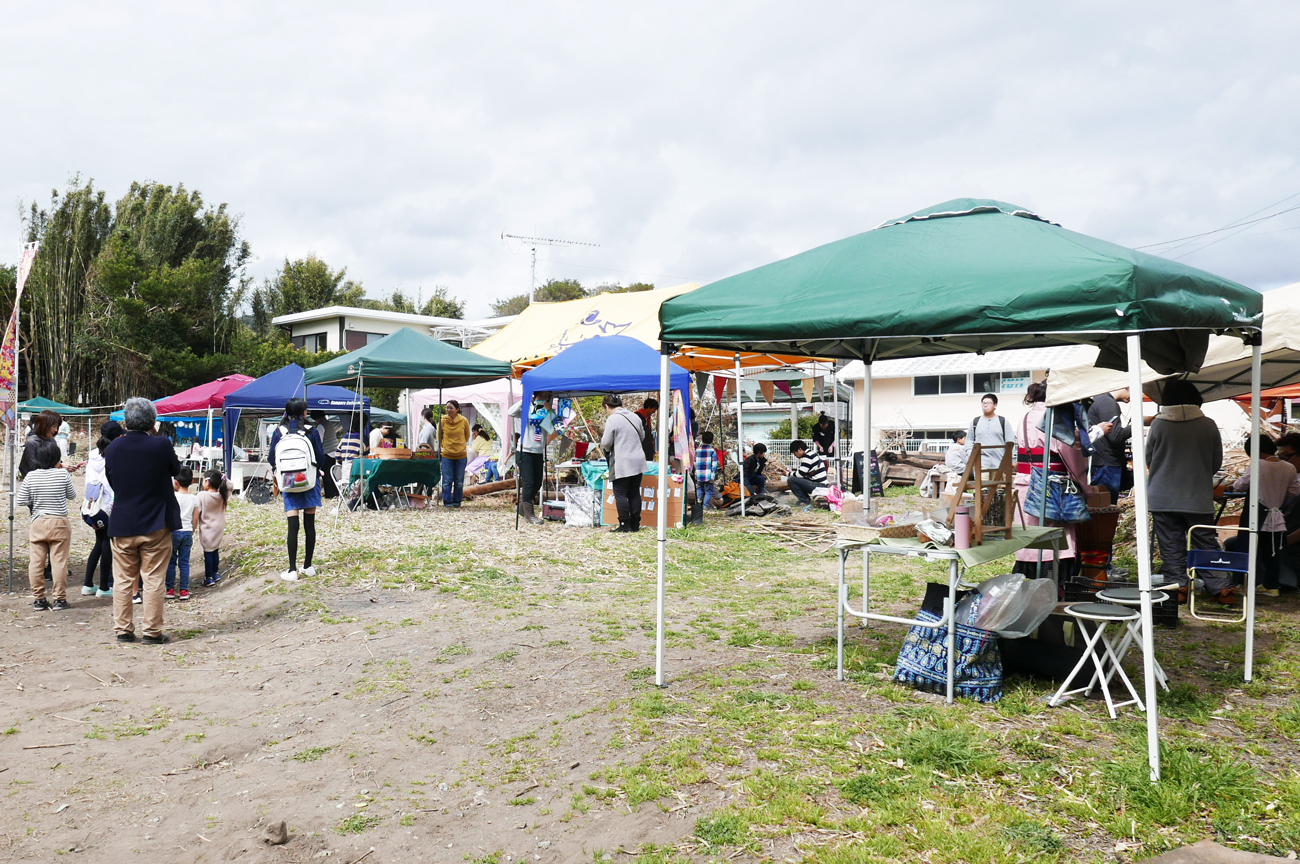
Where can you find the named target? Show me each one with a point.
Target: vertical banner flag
(8, 353)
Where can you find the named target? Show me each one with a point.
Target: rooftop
(1014, 360)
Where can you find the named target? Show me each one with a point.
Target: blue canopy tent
(187, 426)
(604, 364)
(268, 394)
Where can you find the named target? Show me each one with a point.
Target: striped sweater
(47, 492)
(811, 467)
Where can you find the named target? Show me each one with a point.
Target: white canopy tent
(492, 400)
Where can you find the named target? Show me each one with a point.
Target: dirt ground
(450, 690)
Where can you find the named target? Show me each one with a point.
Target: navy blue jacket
(313, 435)
(140, 469)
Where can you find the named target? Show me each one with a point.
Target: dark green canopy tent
(39, 403)
(974, 275)
(408, 358)
(966, 275)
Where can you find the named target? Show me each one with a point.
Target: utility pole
(541, 241)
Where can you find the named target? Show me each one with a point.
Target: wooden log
(489, 488)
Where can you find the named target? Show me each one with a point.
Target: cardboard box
(1098, 499)
(649, 493)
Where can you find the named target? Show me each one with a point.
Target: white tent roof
(1226, 371)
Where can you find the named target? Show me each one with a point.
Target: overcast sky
(691, 141)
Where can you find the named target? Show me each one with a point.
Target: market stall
(266, 397)
(614, 364)
(409, 359)
(971, 275)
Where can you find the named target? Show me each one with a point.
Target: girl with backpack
(296, 458)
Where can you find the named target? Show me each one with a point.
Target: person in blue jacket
(295, 421)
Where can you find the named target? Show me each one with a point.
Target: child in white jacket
(95, 510)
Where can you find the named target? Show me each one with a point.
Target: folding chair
(1214, 559)
(995, 500)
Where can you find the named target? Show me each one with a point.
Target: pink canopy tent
(205, 397)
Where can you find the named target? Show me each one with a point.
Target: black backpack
(647, 440)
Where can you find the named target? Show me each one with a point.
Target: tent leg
(740, 437)
(836, 425)
(1253, 576)
(1142, 531)
(866, 484)
(661, 514)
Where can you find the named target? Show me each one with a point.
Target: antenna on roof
(541, 241)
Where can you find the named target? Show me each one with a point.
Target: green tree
(442, 305)
(554, 291)
(616, 288)
(782, 430)
(300, 286)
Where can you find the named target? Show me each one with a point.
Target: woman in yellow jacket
(453, 441)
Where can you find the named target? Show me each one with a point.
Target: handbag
(923, 659)
(92, 513)
(1065, 503)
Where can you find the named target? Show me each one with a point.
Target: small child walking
(182, 540)
(46, 491)
(210, 522)
(706, 470)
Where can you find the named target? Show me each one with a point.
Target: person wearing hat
(95, 510)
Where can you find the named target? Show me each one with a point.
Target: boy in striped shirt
(808, 473)
(706, 470)
(46, 491)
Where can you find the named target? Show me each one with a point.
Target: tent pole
(13, 438)
(866, 482)
(740, 437)
(1042, 510)
(1142, 531)
(835, 423)
(661, 514)
(1252, 578)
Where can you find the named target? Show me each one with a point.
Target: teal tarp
(37, 404)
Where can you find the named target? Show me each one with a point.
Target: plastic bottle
(961, 529)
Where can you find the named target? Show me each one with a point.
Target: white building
(347, 328)
(930, 398)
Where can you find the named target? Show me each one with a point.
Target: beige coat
(210, 520)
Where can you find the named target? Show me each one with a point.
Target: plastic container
(961, 528)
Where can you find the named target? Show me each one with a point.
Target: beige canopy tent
(1225, 372)
(545, 329)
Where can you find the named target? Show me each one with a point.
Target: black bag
(697, 514)
(647, 441)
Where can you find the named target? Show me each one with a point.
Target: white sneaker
(309, 572)
(87, 590)
(289, 575)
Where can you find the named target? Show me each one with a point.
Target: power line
(1234, 224)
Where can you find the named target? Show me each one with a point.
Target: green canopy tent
(408, 358)
(38, 404)
(973, 276)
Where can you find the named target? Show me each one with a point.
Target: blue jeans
(707, 492)
(756, 484)
(182, 543)
(212, 565)
(453, 481)
(493, 474)
(1109, 478)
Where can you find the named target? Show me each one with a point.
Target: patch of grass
(953, 751)
(12, 730)
(650, 704)
(356, 823)
(1188, 701)
(311, 754)
(638, 674)
(722, 829)
(506, 656)
(1033, 837)
(522, 802)
(1191, 782)
(456, 650)
(1287, 720)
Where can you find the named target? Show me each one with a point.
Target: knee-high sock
(309, 524)
(293, 542)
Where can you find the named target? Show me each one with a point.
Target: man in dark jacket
(1109, 459)
(140, 468)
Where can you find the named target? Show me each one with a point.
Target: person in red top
(647, 412)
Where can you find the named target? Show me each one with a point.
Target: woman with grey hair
(140, 467)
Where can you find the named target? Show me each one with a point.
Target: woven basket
(1098, 533)
(866, 533)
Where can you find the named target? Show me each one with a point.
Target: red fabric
(211, 395)
(784, 387)
(719, 385)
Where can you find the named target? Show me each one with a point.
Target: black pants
(101, 555)
(530, 475)
(1171, 536)
(331, 489)
(802, 488)
(1268, 563)
(627, 498)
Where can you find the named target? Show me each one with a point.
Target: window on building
(1002, 382)
(354, 339)
(939, 385)
(312, 342)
